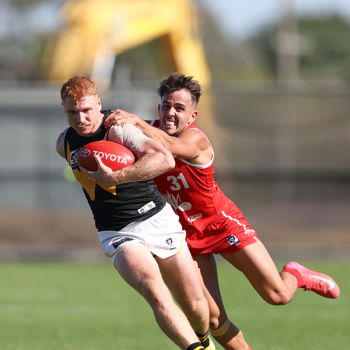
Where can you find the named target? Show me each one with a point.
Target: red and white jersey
(194, 195)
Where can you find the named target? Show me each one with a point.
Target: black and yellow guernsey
(116, 206)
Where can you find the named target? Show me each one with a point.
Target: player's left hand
(103, 175)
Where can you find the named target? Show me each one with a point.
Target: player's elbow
(165, 161)
(168, 161)
(60, 145)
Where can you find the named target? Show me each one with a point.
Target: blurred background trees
(22, 36)
(324, 48)
(321, 44)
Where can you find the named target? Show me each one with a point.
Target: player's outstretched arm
(119, 117)
(189, 145)
(152, 157)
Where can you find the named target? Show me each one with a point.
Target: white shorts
(162, 233)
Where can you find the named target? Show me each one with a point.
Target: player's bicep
(186, 146)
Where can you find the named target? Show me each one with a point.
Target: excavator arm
(95, 31)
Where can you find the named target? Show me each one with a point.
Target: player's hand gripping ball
(112, 154)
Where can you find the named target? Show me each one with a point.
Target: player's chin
(170, 130)
(85, 132)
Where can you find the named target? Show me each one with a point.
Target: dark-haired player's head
(179, 98)
(176, 81)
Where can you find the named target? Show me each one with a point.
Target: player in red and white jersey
(213, 223)
(205, 212)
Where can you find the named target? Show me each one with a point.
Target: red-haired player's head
(82, 105)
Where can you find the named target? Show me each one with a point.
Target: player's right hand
(118, 116)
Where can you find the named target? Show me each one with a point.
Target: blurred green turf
(58, 306)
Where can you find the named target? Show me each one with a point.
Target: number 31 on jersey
(177, 181)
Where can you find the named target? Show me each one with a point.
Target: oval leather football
(112, 154)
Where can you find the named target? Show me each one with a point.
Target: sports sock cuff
(195, 346)
(204, 338)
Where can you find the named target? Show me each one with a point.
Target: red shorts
(229, 232)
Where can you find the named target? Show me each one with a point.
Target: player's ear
(99, 102)
(193, 117)
(158, 108)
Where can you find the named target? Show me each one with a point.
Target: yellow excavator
(94, 32)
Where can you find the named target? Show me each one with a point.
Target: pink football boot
(313, 280)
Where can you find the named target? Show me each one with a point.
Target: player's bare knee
(200, 308)
(197, 309)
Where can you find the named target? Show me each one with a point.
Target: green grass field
(58, 306)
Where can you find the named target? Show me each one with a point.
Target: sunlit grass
(57, 306)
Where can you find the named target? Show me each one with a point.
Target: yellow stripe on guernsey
(83, 178)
